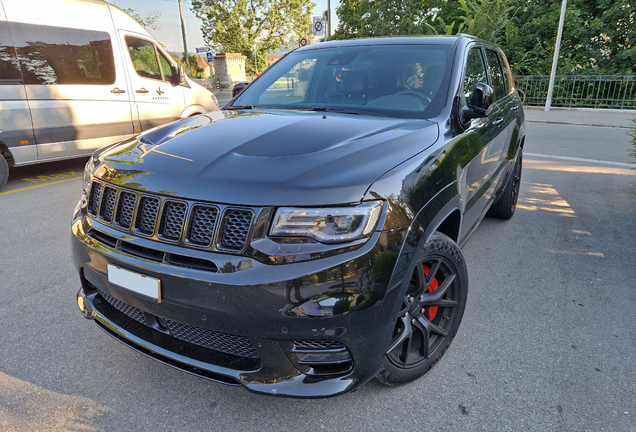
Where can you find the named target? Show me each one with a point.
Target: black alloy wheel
(431, 311)
(505, 206)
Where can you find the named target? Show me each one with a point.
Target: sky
(170, 32)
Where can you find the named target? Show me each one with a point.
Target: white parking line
(575, 159)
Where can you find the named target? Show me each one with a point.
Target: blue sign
(210, 57)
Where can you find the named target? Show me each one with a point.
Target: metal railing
(580, 91)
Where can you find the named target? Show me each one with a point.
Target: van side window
(9, 66)
(147, 60)
(144, 58)
(496, 76)
(56, 55)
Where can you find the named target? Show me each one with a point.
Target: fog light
(83, 305)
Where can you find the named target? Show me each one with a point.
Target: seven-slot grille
(196, 224)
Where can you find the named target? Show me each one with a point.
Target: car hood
(264, 158)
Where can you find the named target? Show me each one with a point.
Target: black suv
(304, 238)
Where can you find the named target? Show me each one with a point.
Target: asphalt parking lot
(548, 340)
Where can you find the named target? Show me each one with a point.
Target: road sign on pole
(303, 42)
(210, 57)
(318, 27)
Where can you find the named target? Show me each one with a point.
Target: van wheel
(430, 314)
(4, 171)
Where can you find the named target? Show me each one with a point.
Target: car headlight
(328, 224)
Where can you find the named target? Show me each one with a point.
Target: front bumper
(338, 301)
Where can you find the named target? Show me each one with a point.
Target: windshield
(395, 81)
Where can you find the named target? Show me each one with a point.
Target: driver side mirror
(480, 102)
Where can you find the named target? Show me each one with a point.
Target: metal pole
(185, 45)
(255, 63)
(328, 19)
(555, 60)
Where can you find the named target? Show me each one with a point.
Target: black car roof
(392, 40)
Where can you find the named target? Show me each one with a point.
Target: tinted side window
(56, 55)
(9, 66)
(496, 75)
(144, 59)
(475, 72)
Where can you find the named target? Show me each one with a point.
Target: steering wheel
(422, 97)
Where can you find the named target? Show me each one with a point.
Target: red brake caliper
(430, 311)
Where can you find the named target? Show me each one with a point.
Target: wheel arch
(193, 110)
(442, 213)
(6, 153)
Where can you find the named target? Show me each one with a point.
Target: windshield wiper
(240, 107)
(353, 111)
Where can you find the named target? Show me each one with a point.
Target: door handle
(514, 108)
(142, 91)
(117, 91)
(499, 120)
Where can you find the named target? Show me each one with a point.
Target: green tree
(195, 70)
(370, 18)
(598, 37)
(147, 21)
(236, 26)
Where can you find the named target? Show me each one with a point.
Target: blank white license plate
(141, 284)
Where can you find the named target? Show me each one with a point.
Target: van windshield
(394, 81)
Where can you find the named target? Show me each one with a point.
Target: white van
(76, 75)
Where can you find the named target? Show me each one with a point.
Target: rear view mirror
(480, 102)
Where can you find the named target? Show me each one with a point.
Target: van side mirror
(239, 87)
(480, 102)
(177, 74)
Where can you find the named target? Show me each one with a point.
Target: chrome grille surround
(186, 223)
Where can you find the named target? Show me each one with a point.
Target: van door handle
(498, 121)
(142, 91)
(514, 108)
(117, 91)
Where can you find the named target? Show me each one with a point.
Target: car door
(16, 129)
(486, 136)
(157, 99)
(75, 88)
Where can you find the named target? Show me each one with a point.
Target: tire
(505, 206)
(430, 315)
(4, 171)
